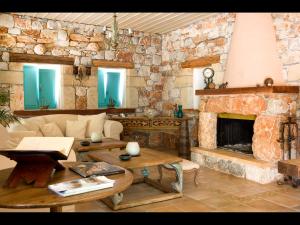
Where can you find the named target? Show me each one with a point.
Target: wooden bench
(291, 170)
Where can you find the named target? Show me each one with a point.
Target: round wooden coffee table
(25, 196)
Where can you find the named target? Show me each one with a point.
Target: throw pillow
(34, 124)
(76, 128)
(95, 123)
(51, 130)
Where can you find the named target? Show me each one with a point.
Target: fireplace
(235, 132)
(235, 117)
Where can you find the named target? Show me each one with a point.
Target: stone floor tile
(267, 206)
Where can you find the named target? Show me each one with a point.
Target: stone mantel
(250, 90)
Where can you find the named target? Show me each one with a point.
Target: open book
(58, 147)
(82, 185)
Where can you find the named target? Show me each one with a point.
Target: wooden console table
(167, 125)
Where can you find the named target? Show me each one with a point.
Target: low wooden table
(291, 171)
(26, 196)
(107, 143)
(148, 157)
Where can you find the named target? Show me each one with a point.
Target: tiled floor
(216, 192)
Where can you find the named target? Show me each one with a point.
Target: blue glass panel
(31, 93)
(47, 88)
(101, 89)
(113, 88)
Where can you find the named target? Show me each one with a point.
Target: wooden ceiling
(147, 22)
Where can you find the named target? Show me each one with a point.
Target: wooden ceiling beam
(112, 64)
(200, 62)
(47, 59)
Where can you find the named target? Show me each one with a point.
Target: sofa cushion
(51, 130)
(34, 124)
(76, 129)
(16, 126)
(60, 120)
(95, 123)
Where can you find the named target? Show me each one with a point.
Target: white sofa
(12, 135)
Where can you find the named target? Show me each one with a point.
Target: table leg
(56, 209)
(178, 185)
(117, 199)
(160, 173)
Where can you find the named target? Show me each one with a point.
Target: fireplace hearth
(235, 132)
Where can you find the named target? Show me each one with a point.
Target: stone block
(36, 25)
(17, 97)
(22, 23)
(135, 81)
(15, 66)
(11, 77)
(78, 37)
(92, 98)
(14, 30)
(5, 56)
(39, 49)
(132, 97)
(131, 72)
(7, 41)
(186, 97)
(207, 130)
(6, 20)
(68, 97)
(109, 55)
(3, 66)
(184, 81)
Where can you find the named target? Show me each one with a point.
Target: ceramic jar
(96, 137)
(133, 148)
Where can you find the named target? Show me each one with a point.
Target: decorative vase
(96, 137)
(179, 112)
(133, 148)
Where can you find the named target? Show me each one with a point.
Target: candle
(129, 30)
(104, 28)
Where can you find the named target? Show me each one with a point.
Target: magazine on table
(82, 185)
(86, 169)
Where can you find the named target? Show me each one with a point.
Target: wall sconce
(88, 71)
(80, 72)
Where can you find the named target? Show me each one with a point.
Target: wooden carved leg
(160, 173)
(196, 176)
(178, 185)
(117, 198)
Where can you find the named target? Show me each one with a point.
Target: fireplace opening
(235, 132)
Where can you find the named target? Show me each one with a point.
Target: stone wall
(23, 34)
(212, 36)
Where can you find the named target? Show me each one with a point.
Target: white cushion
(60, 120)
(16, 126)
(51, 130)
(16, 136)
(76, 129)
(95, 123)
(188, 165)
(34, 124)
